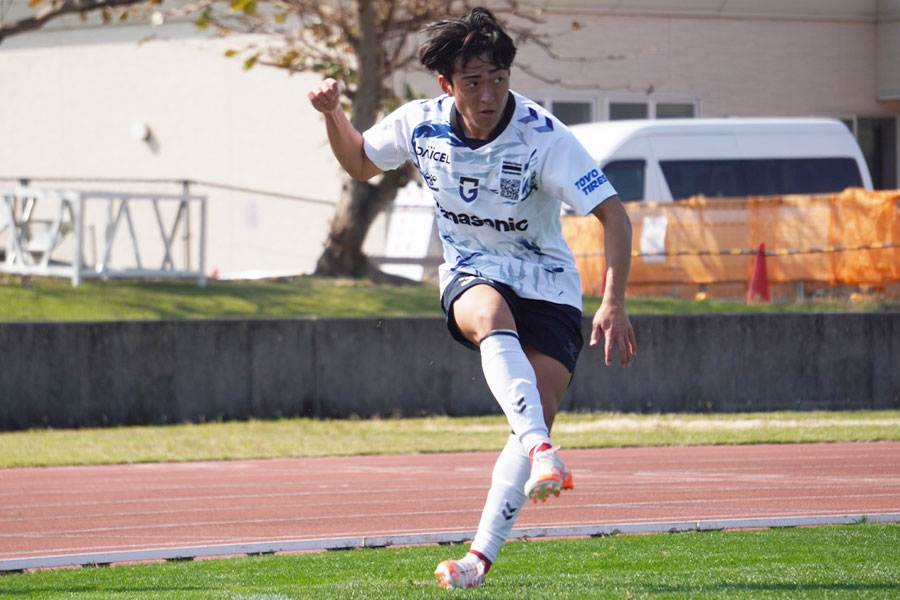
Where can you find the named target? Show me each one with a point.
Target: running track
(98, 515)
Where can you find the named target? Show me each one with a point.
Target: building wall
(76, 93)
(889, 61)
(746, 67)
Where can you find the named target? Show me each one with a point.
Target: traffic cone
(759, 281)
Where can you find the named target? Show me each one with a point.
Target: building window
(571, 110)
(628, 110)
(573, 113)
(675, 110)
(652, 108)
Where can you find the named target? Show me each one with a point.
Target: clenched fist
(326, 96)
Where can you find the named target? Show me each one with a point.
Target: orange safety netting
(850, 238)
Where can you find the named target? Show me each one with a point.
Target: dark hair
(465, 38)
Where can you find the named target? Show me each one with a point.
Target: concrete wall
(84, 374)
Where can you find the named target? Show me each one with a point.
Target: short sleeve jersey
(498, 204)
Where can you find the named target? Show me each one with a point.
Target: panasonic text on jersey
(476, 221)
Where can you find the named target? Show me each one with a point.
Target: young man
(498, 166)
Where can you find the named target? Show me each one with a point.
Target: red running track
(120, 512)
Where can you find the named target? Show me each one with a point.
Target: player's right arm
(346, 142)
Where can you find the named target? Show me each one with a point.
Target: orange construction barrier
(851, 238)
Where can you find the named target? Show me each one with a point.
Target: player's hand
(612, 323)
(326, 96)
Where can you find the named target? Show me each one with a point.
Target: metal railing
(32, 243)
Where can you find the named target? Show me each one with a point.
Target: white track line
(188, 553)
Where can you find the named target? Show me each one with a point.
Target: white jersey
(498, 205)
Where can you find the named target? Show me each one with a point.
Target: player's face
(479, 89)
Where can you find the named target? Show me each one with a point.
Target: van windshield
(759, 177)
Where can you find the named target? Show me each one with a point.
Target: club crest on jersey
(468, 188)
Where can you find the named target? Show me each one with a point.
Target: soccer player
(498, 166)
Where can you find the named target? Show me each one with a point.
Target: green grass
(56, 300)
(856, 561)
(305, 437)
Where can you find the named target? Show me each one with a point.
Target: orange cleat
(456, 574)
(549, 475)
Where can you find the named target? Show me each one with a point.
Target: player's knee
(480, 321)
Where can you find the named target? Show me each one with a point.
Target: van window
(627, 176)
(759, 177)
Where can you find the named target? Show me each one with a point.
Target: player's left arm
(571, 174)
(611, 320)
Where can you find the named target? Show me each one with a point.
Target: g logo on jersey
(468, 188)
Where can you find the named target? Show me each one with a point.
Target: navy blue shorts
(554, 329)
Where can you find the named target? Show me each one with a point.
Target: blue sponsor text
(591, 182)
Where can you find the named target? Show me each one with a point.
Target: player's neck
(456, 123)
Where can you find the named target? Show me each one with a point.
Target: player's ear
(445, 84)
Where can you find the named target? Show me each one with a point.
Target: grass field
(305, 437)
(56, 300)
(855, 561)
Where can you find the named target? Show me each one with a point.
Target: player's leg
(549, 474)
(553, 380)
(483, 316)
(504, 501)
(514, 467)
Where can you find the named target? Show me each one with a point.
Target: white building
(73, 97)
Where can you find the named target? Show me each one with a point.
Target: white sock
(513, 383)
(505, 499)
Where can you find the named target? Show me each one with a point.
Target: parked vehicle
(669, 159)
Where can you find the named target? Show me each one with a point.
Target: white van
(670, 159)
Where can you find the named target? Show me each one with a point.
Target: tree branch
(58, 9)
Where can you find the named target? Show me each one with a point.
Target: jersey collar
(474, 144)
